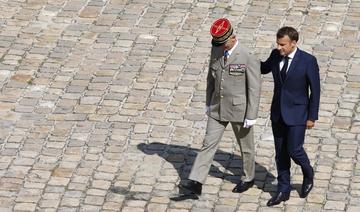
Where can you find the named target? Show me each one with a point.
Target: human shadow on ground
(226, 166)
(297, 187)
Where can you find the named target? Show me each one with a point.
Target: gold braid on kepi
(220, 30)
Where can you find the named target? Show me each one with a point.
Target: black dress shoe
(243, 186)
(306, 187)
(307, 184)
(192, 187)
(278, 198)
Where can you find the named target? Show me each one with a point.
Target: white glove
(207, 109)
(249, 123)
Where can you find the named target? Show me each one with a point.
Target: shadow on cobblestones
(130, 195)
(226, 165)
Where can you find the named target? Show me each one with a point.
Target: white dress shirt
(290, 56)
(232, 49)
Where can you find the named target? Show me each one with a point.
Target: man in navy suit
(294, 108)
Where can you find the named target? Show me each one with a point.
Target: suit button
(221, 96)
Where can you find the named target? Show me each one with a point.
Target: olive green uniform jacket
(233, 89)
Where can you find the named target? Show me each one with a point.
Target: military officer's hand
(249, 123)
(207, 109)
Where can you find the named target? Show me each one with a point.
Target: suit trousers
(289, 142)
(214, 131)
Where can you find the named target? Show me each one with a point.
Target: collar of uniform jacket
(232, 49)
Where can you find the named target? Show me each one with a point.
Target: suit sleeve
(314, 81)
(268, 64)
(253, 81)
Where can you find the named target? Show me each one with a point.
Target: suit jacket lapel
(293, 63)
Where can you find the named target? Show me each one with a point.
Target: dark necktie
(226, 54)
(284, 68)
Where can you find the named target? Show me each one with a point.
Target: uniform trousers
(214, 131)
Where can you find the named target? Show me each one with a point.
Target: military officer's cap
(220, 30)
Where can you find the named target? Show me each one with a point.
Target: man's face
(285, 45)
(230, 42)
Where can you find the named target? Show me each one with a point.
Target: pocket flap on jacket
(301, 101)
(238, 101)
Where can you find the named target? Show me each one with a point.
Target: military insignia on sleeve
(237, 69)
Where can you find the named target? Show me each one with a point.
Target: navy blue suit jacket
(296, 99)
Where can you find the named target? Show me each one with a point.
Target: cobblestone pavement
(102, 104)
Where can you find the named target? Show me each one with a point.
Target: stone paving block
(25, 207)
(140, 70)
(94, 200)
(132, 209)
(70, 202)
(334, 205)
(111, 206)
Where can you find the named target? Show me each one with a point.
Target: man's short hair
(289, 31)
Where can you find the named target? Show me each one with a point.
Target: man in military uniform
(232, 95)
